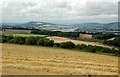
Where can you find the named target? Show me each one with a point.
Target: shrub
(82, 46)
(104, 36)
(67, 45)
(57, 44)
(30, 41)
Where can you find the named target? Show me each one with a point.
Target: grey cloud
(59, 10)
(61, 4)
(96, 8)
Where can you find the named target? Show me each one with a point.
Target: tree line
(56, 33)
(104, 36)
(88, 48)
(42, 41)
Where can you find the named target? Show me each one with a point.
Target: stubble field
(37, 60)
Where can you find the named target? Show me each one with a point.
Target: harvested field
(31, 60)
(111, 39)
(62, 39)
(85, 36)
(16, 31)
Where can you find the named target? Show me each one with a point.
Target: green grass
(24, 35)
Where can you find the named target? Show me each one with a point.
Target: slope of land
(25, 35)
(16, 31)
(62, 39)
(20, 33)
(23, 60)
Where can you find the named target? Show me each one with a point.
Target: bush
(57, 44)
(45, 42)
(18, 40)
(9, 38)
(67, 45)
(4, 38)
(104, 36)
(30, 41)
(82, 46)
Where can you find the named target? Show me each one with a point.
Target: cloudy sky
(59, 11)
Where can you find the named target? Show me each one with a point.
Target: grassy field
(62, 39)
(31, 60)
(20, 33)
(24, 35)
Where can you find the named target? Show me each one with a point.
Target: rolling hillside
(37, 60)
(34, 24)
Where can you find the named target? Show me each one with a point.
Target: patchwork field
(85, 36)
(20, 33)
(23, 60)
(62, 39)
(25, 35)
(6, 31)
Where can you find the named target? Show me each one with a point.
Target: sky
(59, 11)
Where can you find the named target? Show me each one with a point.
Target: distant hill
(33, 24)
(38, 23)
(113, 25)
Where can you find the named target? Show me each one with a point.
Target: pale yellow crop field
(85, 36)
(62, 39)
(37, 60)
